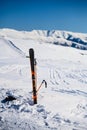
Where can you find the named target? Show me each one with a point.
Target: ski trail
(11, 44)
(65, 76)
(8, 46)
(57, 77)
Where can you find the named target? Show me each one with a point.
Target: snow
(63, 104)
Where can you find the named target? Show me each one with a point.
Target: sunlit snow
(63, 104)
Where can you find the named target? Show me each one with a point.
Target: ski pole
(42, 84)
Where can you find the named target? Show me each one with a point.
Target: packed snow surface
(63, 104)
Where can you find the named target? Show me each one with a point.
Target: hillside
(63, 104)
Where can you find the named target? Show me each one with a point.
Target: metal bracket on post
(27, 57)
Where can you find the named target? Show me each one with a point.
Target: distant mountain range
(64, 38)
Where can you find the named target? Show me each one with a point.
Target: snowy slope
(63, 104)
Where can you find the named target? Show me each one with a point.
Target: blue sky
(69, 15)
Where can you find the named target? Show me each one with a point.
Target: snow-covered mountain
(63, 104)
(76, 40)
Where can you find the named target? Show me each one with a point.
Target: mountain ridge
(57, 37)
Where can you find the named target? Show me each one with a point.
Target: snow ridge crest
(57, 37)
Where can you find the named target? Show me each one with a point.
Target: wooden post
(33, 74)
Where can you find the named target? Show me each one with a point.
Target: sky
(27, 15)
